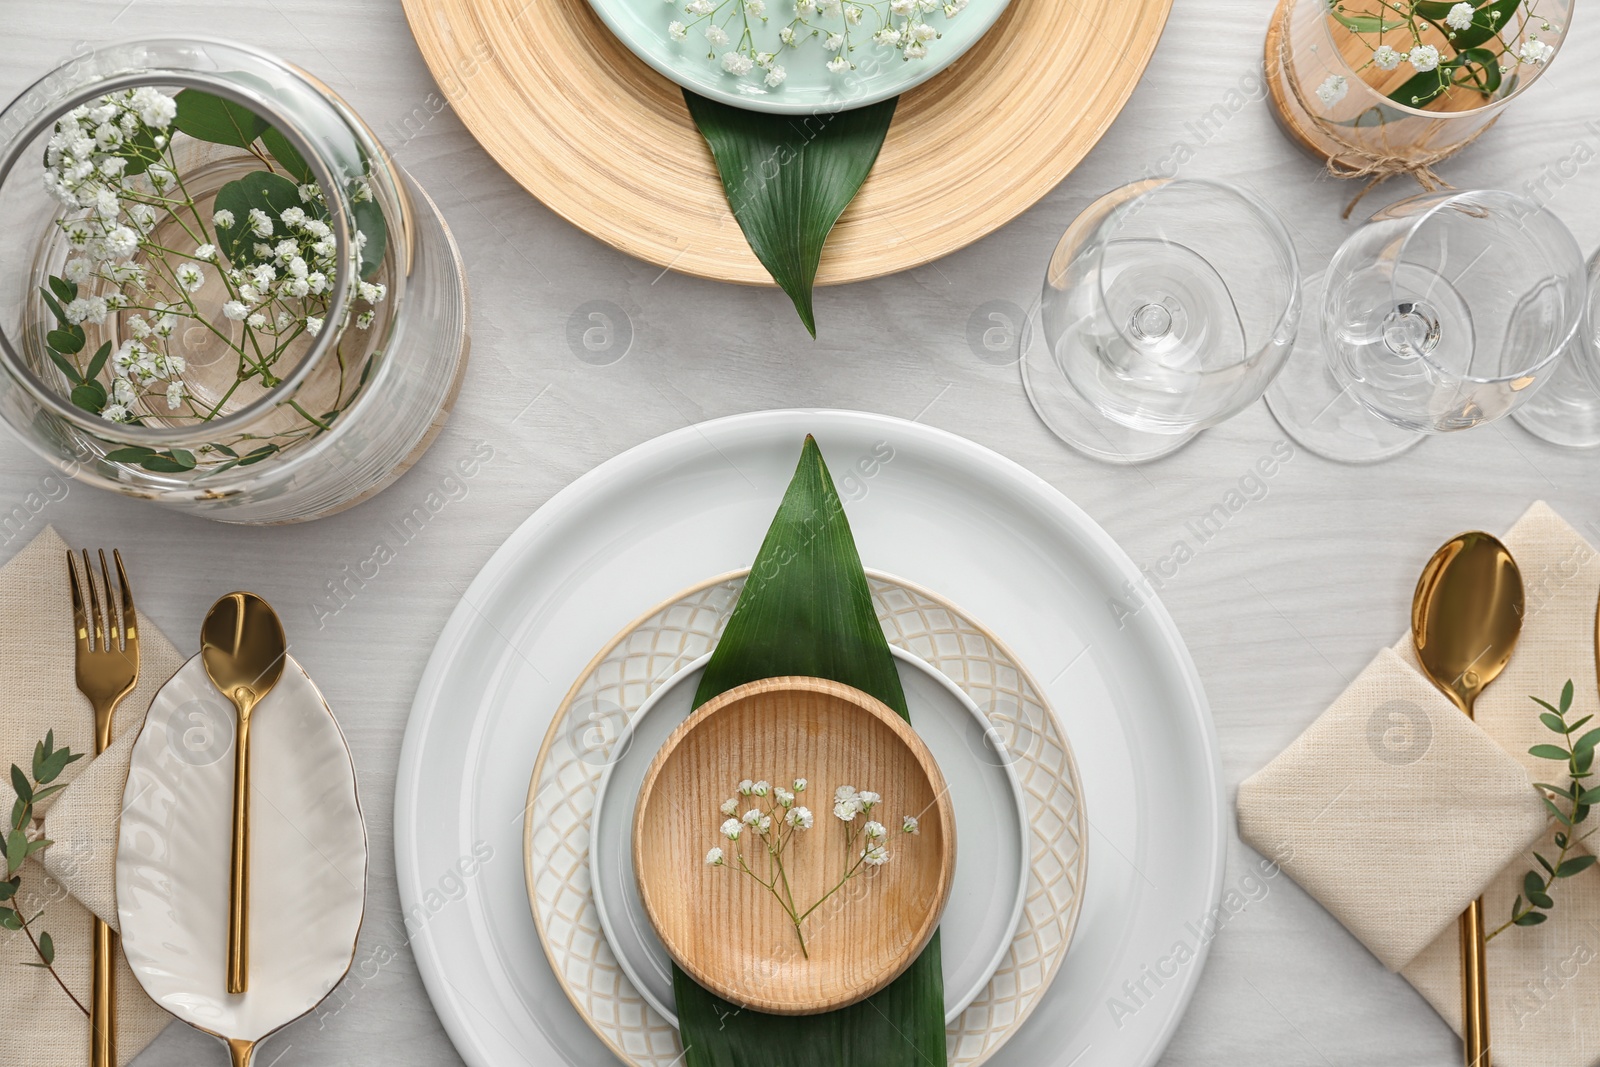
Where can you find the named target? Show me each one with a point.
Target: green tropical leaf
(807, 610)
(206, 117)
(789, 178)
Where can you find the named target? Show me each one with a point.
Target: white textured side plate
(992, 834)
(308, 859)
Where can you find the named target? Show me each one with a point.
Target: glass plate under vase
(1336, 97)
(272, 364)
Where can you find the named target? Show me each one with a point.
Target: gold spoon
(242, 645)
(1465, 620)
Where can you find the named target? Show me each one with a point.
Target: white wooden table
(1280, 608)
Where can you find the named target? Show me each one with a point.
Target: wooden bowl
(725, 929)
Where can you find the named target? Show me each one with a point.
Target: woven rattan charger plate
(673, 634)
(607, 143)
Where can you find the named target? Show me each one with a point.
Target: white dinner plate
(991, 876)
(924, 504)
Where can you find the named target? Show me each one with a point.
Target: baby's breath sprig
(22, 840)
(774, 818)
(1575, 799)
(899, 27)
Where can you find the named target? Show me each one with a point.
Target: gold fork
(108, 669)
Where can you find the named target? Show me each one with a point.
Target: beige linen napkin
(1394, 810)
(38, 693)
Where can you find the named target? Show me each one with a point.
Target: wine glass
(1444, 311)
(1567, 411)
(1168, 305)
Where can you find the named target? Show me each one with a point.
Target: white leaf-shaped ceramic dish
(308, 856)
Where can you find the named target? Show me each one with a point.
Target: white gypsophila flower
(876, 856)
(874, 830)
(800, 818)
(256, 321)
(137, 326)
(107, 204)
(732, 829)
(293, 217)
(316, 281)
(800, 785)
(263, 275)
(678, 30)
(761, 788)
(313, 325)
(122, 391)
(1332, 90)
(154, 107)
(846, 810)
(805, 8)
(915, 51)
(786, 35)
(909, 825)
(833, 42)
(751, 817)
(373, 293)
(730, 806)
(1386, 58)
(260, 223)
(745, 787)
(715, 35)
(783, 796)
(1424, 57)
(160, 176)
(714, 858)
(175, 393)
(757, 8)
(223, 220)
(190, 277)
(365, 320)
(310, 192)
(207, 252)
(1459, 17)
(887, 36)
(852, 15)
(764, 59)
(114, 413)
(868, 799)
(76, 271)
(121, 242)
(1534, 50)
(98, 306)
(765, 824)
(77, 310)
(235, 310)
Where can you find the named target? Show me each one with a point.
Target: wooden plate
(725, 930)
(607, 143)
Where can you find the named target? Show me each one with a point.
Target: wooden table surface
(1281, 606)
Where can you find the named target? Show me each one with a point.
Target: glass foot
(1323, 417)
(1073, 419)
(1566, 411)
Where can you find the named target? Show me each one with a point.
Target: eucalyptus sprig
(1575, 799)
(16, 846)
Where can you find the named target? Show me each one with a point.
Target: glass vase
(217, 291)
(1384, 87)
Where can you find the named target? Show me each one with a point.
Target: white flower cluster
(899, 26)
(773, 816)
(109, 164)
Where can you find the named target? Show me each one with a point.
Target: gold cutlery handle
(103, 998)
(1474, 987)
(239, 874)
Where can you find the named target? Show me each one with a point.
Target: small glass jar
(1352, 84)
(217, 291)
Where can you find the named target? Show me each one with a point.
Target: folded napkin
(37, 694)
(1395, 810)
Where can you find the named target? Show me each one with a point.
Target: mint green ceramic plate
(828, 55)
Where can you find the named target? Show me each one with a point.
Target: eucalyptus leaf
(130, 454)
(1575, 865)
(64, 366)
(1549, 752)
(20, 783)
(287, 155)
(97, 362)
(789, 178)
(259, 190)
(8, 888)
(369, 221)
(806, 609)
(9, 919)
(68, 341)
(1532, 918)
(65, 291)
(207, 117)
(90, 396)
(47, 948)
